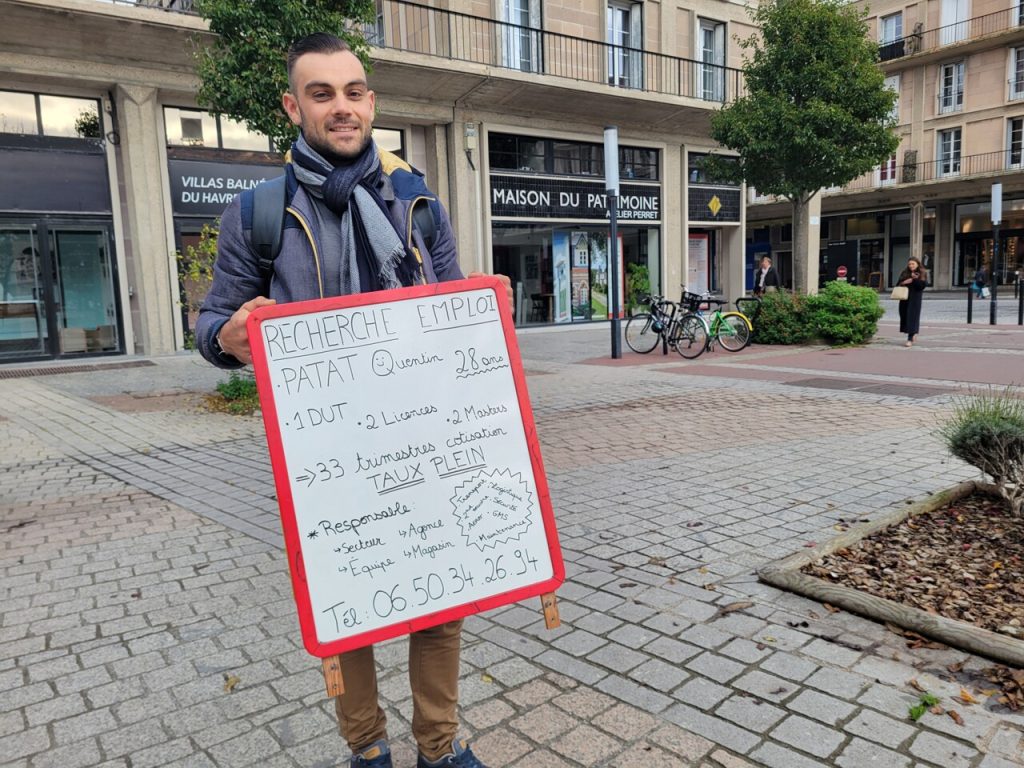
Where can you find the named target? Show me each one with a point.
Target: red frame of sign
(281, 476)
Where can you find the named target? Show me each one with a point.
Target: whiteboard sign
(405, 458)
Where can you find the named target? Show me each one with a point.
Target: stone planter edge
(785, 574)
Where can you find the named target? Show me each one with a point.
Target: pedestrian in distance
(980, 278)
(915, 278)
(345, 232)
(766, 279)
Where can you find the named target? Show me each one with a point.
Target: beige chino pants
(433, 679)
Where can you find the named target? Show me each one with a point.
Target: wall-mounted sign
(713, 203)
(524, 197)
(200, 188)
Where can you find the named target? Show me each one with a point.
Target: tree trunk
(806, 234)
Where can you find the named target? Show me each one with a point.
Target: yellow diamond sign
(715, 205)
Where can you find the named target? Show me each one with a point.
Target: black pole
(970, 304)
(1020, 307)
(995, 275)
(613, 262)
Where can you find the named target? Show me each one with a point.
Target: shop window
(516, 153)
(951, 87)
(865, 225)
(948, 152)
(638, 163)
(1014, 142)
(575, 159)
(711, 71)
(197, 128)
(625, 41)
(39, 114)
(1017, 72)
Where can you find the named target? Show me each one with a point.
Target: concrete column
(733, 247)
(917, 231)
(944, 246)
(673, 223)
(467, 188)
(155, 285)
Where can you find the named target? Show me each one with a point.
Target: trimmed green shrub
(844, 314)
(987, 431)
(782, 320)
(239, 393)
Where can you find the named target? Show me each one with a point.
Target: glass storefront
(560, 273)
(974, 242)
(57, 289)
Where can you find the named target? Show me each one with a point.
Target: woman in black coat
(915, 278)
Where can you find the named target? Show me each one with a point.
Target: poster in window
(560, 264)
(697, 272)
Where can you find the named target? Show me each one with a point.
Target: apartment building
(958, 67)
(110, 167)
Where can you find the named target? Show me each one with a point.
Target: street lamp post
(611, 177)
(997, 215)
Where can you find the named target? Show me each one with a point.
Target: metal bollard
(1020, 308)
(970, 305)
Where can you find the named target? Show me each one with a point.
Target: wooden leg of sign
(332, 676)
(550, 605)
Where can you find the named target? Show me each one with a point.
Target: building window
(948, 154)
(36, 114)
(1014, 141)
(954, 21)
(698, 175)
(890, 28)
(197, 128)
(893, 84)
(887, 171)
(1017, 72)
(520, 38)
(625, 41)
(567, 158)
(951, 87)
(711, 71)
(390, 140)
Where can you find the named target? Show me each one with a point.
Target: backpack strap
(268, 204)
(423, 220)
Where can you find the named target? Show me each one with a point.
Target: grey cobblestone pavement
(146, 616)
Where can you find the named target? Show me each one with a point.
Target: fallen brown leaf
(830, 608)
(916, 685)
(965, 697)
(230, 681)
(956, 717)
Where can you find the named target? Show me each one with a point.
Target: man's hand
(504, 279)
(234, 336)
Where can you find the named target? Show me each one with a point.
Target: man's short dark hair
(318, 42)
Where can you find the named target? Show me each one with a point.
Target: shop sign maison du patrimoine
(524, 197)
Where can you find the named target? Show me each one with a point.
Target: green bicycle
(731, 330)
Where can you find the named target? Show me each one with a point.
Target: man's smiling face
(332, 103)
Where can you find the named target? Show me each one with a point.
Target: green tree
(817, 113)
(243, 68)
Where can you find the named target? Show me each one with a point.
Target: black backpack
(268, 207)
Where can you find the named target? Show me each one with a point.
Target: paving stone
(487, 714)
(616, 657)
(942, 751)
(765, 686)
(81, 754)
(744, 650)
(750, 713)
(789, 666)
(82, 727)
(837, 682)
(807, 736)
(673, 651)
(500, 746)
(702, 693)
(681, 743)
(584, 703)
(630, 692)
(712, 728)
(874, 727)
(716, 667)
(544, 723)
(533, 693)
(253, 747)
(859, 753)
(638, 757)
(586, 745)
(585, 673)
(55, 709)
(818, 706)
(775, 756)
(24, 743)
(658, 675)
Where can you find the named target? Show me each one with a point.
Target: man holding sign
(349, 228)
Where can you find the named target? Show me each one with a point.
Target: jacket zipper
(412, 244)
(312, 244)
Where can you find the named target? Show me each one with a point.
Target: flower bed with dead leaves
(964, 561)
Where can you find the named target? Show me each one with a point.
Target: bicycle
(645, 329)
(732, 330)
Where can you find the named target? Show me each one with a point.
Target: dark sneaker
(461, 756)
(377, 755)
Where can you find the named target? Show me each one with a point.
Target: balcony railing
(962, 31)
(178, 6)
(406, 26)
(912, 172)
